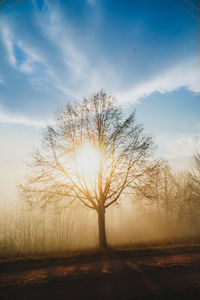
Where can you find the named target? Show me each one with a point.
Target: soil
(157, 273)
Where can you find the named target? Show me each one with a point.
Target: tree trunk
(102, 229)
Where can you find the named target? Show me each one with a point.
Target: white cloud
(8, 41)
(92, 2)
(179, 146)
(30, 55)
(185, 74)
(62, 40)
(76, 74)
(83, 76)
(190, 141)
(8, 118)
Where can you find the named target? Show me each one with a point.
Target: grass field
(157, 272)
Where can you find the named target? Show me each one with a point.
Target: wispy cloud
(92, 2)
(76, 74)
(20, 55)
(179, 146)
(8, 41)
(185, 74)
(7, 118)
(59, 62)
(192, 141)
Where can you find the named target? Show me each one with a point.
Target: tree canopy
(91, 135)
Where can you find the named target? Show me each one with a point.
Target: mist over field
(56, 230)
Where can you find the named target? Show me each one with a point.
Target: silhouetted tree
(172, 195)
(159, 189)
(195, 174)
(124, 150)
(194, 181)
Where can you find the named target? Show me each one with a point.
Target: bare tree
(194, 183)
(124, 153)
(158, 189)
(173, 196)
(195, 174)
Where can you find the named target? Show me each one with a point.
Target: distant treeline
(166, 206)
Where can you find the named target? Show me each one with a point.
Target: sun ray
(88, 161)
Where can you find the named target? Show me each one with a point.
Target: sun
(88, 159)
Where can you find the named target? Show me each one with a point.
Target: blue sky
(146, 53)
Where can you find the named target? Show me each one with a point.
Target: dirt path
(157, 274)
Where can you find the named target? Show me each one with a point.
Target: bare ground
(156, 273)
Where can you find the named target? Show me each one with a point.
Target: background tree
(173, 196)
(195, 174)
(158, 189)
(92, 154)
(194, 184)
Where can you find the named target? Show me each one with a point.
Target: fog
(25, 231)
